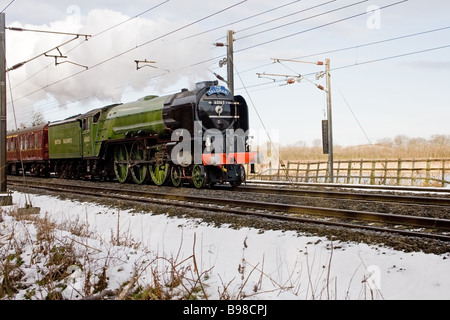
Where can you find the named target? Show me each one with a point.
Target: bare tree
(37, 119)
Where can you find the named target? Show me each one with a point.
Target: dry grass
(66, 264)
(64, 257)
(400, 147)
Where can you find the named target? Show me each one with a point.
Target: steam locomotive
(198, 137)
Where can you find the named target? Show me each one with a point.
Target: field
(400, 147)
(398, 161)
(75, 250)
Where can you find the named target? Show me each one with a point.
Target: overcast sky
(390, 78)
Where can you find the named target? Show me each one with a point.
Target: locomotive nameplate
(218, 90)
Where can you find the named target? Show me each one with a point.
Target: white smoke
(109, 56)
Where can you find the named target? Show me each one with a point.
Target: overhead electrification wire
(235, 22)
(356, 47)
(304, 19)
(244, 19)
(362, 63)
(123, 22)
(393, 57)
(308, 30)
(96, 35)
(315, 28)
(158, 38)
(262, 122)
(215, 58)
(198, 63)
(354, 116)
(375, 42)
(290, 15)
(136, 47)
(135, 17)
(237, 51)
(169, 33)
(8, 6)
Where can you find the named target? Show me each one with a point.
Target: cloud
(50, 10)
(109, 56)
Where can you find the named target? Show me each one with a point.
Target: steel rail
(349, 186)
(404, 199)
(291, 212)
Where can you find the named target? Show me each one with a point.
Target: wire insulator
(291, 81)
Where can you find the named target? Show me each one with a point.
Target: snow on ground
(271, 265)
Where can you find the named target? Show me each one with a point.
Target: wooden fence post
(427, 177)
(317, 172)
(361, 171)
(422, 171)
(399, 171)
(349, 171)
(386, 163)
(308, 167)
(372, 173)
(287, 168)
(278, 171)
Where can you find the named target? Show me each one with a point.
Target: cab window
(85, 124)
(96, 117)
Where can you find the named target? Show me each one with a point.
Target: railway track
(383, 188)
(394, 198)
(219, 201)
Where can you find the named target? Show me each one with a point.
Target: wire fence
(400, 172)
